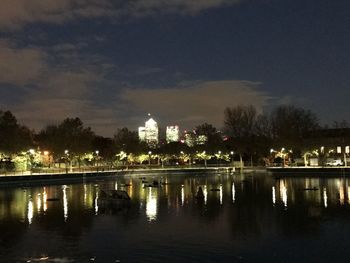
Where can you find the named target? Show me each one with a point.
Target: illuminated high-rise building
(149, 133)
(190, 139)
(142, 134)
(172, 134)
(201, 139)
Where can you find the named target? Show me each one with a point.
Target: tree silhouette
(13, 136)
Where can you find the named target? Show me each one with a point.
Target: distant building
(149, 133)
(142, 134)
(172, 134)
(190, 138)
(201, 139)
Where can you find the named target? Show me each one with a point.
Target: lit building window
(149, 133)
(172, 134)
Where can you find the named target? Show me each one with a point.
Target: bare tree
(291, 124)
(240, 121)
(241, 126)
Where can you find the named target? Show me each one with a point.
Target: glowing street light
(149, 158)
(31, 158)
(232, 153)
(66, 152)
(219, 158)
(97, 156)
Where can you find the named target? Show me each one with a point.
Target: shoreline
(41, 178)
(321, 172)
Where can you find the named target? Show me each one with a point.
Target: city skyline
(109, 62)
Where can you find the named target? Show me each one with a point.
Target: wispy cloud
(20, 66)
(195, 103)
(15, 14)
(54, 88)
(68, 87)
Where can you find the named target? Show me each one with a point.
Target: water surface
(242, 218)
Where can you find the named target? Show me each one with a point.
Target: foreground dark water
(249, 218)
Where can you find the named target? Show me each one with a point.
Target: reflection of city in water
(241, 203)
(33, 201)
(320, 191)
(29, 202)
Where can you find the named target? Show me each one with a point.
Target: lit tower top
(151, 129)
(149, 133)
(172, 134)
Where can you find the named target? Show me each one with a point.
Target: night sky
(110, 62)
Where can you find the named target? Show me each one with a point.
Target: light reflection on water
(236, 211)
(65, 202)
(151, 204)
(233, 192)
(30, 211)
(182, 195)
(45, 199)
(283, 193)
(38, 203)
(325, 197)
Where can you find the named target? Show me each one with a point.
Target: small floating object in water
(311, 189)
(155, 183)
(200, 194)
(52, 199)
(113, 199)
(215, 190)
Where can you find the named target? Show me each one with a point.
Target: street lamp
(205, 158)
(283, 156)
(219, 158)
(47, 158)
(66, 152)
(97, 156)
(182, 156)
(31, 157)
(232, 153)
(149, 158)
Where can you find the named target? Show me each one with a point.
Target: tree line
(247, 133)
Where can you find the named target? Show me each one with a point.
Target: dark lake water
(248, 218)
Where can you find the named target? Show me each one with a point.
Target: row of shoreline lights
(322, 148)
(66, 152)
